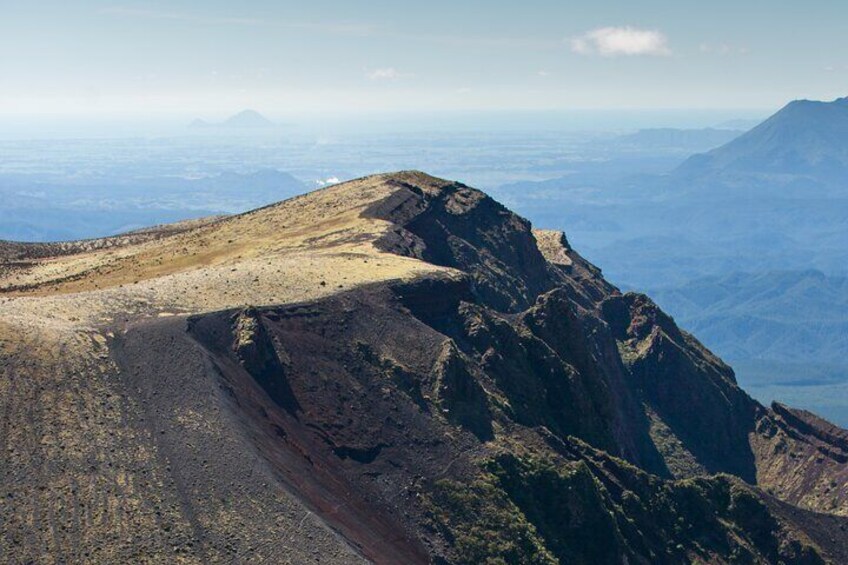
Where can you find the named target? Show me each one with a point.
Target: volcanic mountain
(396, 369)
(246, 119)
(807, 139)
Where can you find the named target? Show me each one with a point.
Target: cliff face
(506, 403)
(459, 227)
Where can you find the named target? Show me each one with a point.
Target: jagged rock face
(582, 364)
(262, 357)
(463, 228)
(500, 479)
(514, 406)
(802, 459)
(460, 396)
(669, 370)
(581, 339)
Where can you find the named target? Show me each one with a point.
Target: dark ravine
(517, 409)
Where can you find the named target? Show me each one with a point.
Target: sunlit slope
(301, 248)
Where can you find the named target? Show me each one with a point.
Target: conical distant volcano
(246, 119)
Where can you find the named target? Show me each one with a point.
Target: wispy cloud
(615, 41)
(143, 13)
(723, 49)
(356, 29)
(484, 41)
(387, 73)
(341, 28)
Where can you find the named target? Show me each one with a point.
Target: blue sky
(288, 58)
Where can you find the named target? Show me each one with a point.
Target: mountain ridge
(404, 370)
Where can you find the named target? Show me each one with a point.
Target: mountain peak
(248, 118)
(806, 138)
(808, 101)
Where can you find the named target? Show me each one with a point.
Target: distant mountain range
(785, 332)
(681, 140)
(57, 211)
(743, 124)
(771, 203)
(784, 316)
(246, 119)
(804, 139)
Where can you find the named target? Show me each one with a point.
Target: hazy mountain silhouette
(805, 138)
(785, 316)
(772, 203)
(681, 140)
(743, 124)
(246, 119)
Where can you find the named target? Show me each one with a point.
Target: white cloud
(614, 41)
(328, 181)
(387, 73)
(543, 73)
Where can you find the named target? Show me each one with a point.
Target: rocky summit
(395, 369)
